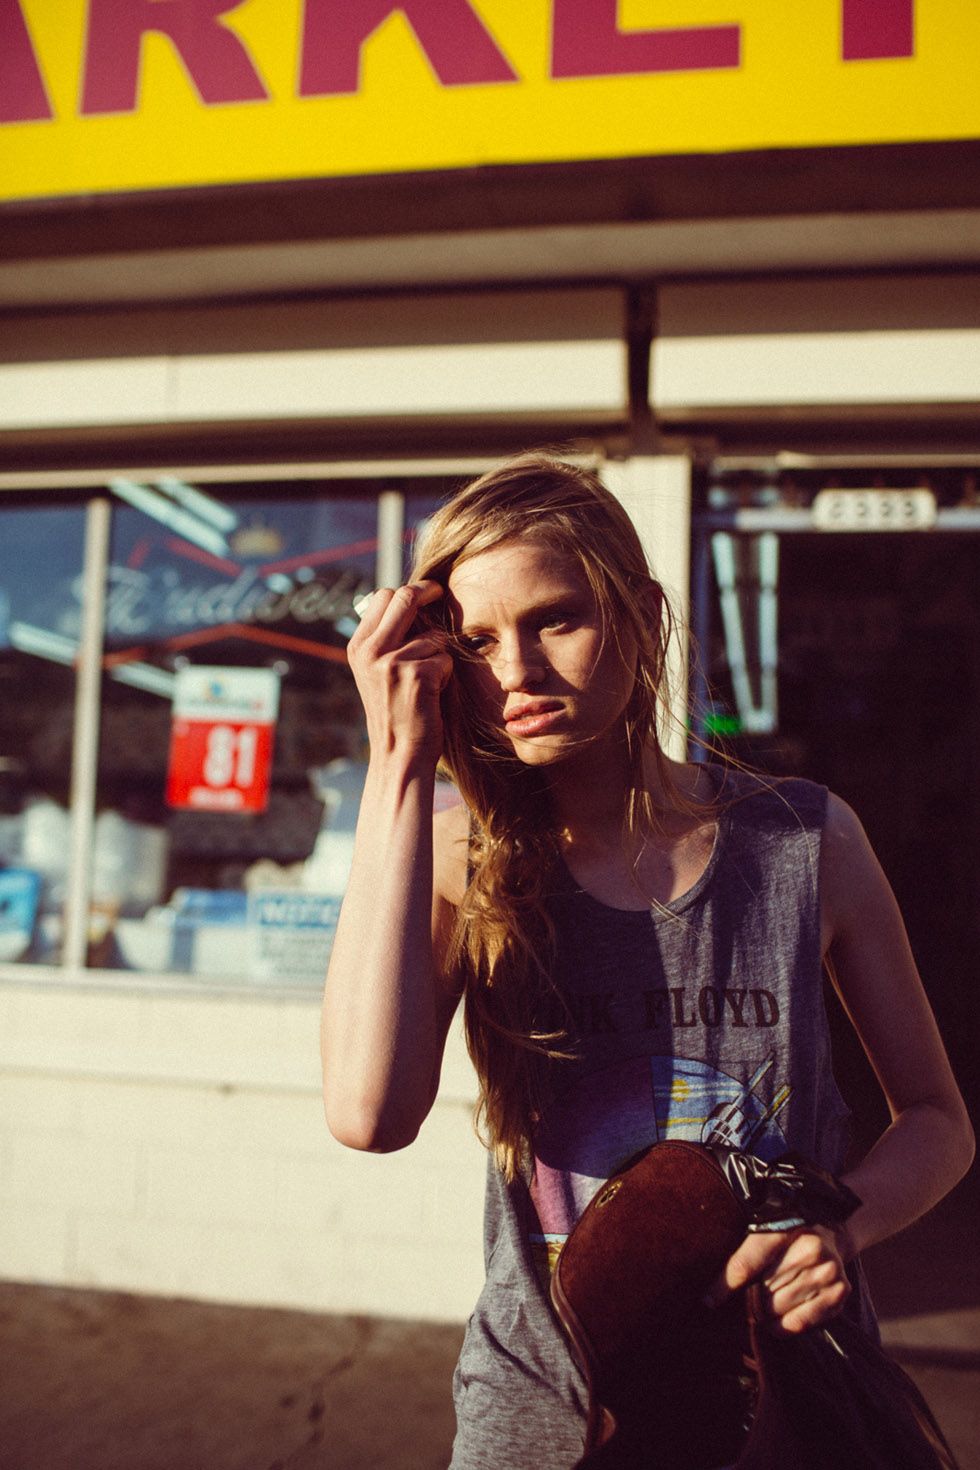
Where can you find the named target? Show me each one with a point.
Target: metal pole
(85, 741)
(700, 627)
(391, 527)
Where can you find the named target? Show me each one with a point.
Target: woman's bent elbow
(967, 1145)
(365, 1130)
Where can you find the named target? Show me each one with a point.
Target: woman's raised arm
(387, 1005)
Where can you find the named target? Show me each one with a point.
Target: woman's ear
(651, 599)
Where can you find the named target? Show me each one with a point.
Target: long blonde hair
(503, 942)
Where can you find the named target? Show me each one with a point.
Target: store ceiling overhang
(613, 251)
(819, 345)
(550, 354)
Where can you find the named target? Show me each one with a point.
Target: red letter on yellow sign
(874, 29)
(587, 42)
(219, 65)
(458, 45)
(22, 94)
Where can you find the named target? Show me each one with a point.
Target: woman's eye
(473, 642)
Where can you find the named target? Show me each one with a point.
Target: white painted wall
(175, 1144)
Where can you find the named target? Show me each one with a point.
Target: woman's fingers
(752, 1260)
(807, 1304)
(426, 655)
(803, 1275)
(807, 1253)
(388, 614)
(400, 671)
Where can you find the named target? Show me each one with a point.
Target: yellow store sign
(104, 96)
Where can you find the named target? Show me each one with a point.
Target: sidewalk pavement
(111, 1381)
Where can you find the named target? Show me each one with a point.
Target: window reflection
(418, 509)
(40, 613)
(232, 742)
(231, 745)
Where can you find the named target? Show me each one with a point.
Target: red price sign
(221, 741)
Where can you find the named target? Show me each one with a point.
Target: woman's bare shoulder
(855, 895)
(450, 847)
(847, 859)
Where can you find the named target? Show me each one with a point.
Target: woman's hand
(802, 1271)
(400, 674)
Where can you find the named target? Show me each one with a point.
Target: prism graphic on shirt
(604, 1118)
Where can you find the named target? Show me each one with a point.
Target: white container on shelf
(339, 786)
(128, 862)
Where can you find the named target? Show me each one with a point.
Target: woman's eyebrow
(567, 602)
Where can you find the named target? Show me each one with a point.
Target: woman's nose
(518, 667)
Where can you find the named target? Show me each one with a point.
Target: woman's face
(535, 657)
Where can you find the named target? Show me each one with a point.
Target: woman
(639, 942)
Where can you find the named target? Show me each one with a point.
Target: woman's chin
(539, 750)
(545, 750)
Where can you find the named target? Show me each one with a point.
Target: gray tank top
(701, 1021)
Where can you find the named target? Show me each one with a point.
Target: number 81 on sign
(221, 739)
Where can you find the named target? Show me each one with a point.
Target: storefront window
(212, 770)
(41, 550)
(418, 509)
(232, 746)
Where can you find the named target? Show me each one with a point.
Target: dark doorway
(879, 699)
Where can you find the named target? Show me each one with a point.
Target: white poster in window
(292, 933)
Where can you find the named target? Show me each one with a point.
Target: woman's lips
(534, 719)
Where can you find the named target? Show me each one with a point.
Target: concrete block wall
(174, 1143)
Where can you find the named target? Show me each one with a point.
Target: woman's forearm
(929, 1144)
(381, 1037)
(916, 1161)
(913, 1164)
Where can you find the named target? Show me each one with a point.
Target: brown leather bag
(674, 1384)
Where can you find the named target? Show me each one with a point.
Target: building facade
(273, 281)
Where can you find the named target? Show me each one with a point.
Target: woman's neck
(589, 789)
(633, 870)
(589, 796)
